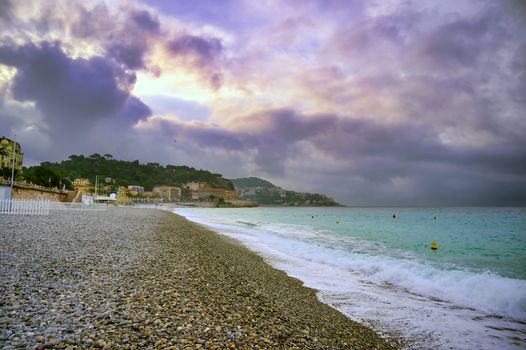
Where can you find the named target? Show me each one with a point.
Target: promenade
(28, 186)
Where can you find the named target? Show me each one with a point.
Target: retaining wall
(31, 193)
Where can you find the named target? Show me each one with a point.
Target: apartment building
(7, 147)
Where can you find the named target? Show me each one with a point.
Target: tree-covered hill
(265, 193)
(247, 182)
(126, 173)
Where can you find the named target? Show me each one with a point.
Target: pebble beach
(149, 279)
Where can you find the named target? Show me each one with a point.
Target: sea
(376, 266)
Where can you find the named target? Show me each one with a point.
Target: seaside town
(16, 183)
(101, 190)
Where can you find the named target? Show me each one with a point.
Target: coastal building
(83, 181)
(194, 186)
(135, 190)
(150, 194)
(203, 191)
(222, 192)
(7, 147)
(83, 185)
(168, 193)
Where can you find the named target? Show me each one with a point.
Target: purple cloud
(231, 14)
(127, 39)
(5, 9)
(458, 44)
(377, 154)
(62, 86)
(132, 52)
(207, 50)
(70, 92)
(146, 21)
(131, 55)
(203, 53)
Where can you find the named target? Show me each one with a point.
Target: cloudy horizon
(370, 102)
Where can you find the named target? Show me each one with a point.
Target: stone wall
(30, 193)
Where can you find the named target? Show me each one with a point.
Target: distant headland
(102, 175)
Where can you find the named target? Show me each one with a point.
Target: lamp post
(97, 185)
(13, 170)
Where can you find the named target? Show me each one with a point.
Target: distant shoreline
(251, 205)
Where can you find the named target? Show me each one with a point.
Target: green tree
(134, 173)
(6, 172)
(43, 175)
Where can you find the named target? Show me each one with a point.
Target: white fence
(78, 206)
(150, 206)
(24, 207)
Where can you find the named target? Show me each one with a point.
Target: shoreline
(133, 278)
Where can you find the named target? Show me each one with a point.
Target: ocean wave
(484, 291)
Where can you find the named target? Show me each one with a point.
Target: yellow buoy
(434, 245)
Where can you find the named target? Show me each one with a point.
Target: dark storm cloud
(208, 136)
(370, 34)
(202, 53)
(92, 23)
(8, 117)
(518, 8)
(65, 87)
(5, 9)
(142, 26)
(518, 90)
(207, 50)
(263, 134)
(377, 154)
(462, 42)
(69, 91)
(285, 123)
(132, 55)
(146, 21)
(409, 38)
(132, 111)
(126, 37)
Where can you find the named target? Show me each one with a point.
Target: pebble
(145, 279)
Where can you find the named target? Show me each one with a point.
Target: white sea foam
(435, 307)
(486, 292)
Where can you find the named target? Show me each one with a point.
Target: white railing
(31, 186)
(78, 206)
(150, 206)
(24, 207)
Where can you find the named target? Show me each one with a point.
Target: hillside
(265, 193)
(124, 173)
(248, 182)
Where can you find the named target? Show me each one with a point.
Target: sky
(417, 103)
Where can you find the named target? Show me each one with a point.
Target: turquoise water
(474, 284)
(492, 240)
